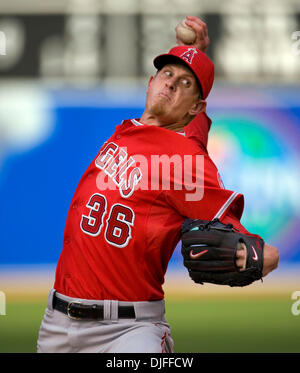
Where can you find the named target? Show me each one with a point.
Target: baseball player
(126, 215)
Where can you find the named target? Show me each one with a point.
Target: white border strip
(136, 123)
(226, 205)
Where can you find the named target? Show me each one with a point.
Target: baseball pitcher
(148, 187)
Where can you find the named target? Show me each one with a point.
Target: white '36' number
(118, 224)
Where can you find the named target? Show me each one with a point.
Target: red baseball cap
(197, 61)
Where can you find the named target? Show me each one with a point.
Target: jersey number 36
(118, 225)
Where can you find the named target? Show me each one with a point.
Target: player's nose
(171, 83)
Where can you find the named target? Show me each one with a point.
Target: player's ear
(198, 107)
(149, 82)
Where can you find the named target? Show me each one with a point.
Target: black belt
(78, 311)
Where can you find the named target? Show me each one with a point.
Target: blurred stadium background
(70, 71)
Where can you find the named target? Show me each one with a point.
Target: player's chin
(159, 108)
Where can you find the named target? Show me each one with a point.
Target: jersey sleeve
(198, 193)
(197, 130)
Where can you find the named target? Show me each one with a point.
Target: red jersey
(125, 216)
(197, 130)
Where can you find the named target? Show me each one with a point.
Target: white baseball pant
(149, 332)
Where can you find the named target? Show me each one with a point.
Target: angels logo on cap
(195, 59)
(189, 55)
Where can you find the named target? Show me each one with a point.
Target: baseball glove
(209, 253)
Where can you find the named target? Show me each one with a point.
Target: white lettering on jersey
(114, 161)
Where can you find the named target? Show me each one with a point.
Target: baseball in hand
(185, 33)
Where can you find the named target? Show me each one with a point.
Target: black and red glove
(209, 251)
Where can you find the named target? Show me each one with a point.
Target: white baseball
(185, 33)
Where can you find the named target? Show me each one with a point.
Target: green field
(234, 325)
(211, 324)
